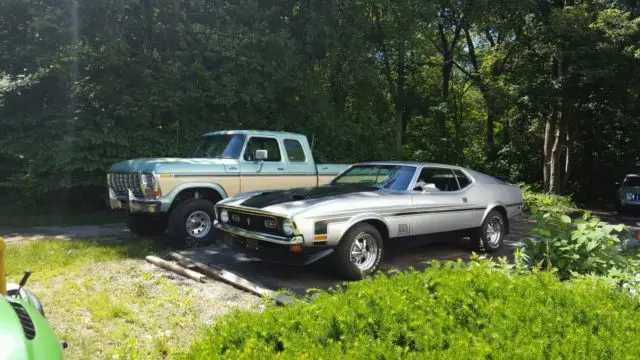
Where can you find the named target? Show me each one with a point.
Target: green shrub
(450, 310)
(583, 246)
(536, 201)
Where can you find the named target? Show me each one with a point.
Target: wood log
(176, 268)
(232, 279)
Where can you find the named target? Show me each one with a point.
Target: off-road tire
(480, 240)
(342, 253)
(147, 224)
(178, 233)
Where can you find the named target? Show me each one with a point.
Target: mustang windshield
(394, 177)
(226, 146)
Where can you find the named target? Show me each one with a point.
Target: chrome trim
(296, 240)
(252, 211)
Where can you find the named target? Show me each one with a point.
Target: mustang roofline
(410, 163)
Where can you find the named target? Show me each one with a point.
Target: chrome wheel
(364, 251)
(198, 224)
(494, 230)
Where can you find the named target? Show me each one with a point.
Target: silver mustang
(368, 204)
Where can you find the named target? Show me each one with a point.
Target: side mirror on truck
(261, 155)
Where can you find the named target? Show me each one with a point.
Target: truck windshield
(227, 146)
(394, 177)
(632, 181)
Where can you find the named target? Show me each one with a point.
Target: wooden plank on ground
(232, 279)
(176, 268)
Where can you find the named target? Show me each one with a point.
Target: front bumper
(133, 204)
(630, 203)
(272, 248)
(282, 240)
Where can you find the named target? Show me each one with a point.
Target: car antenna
(313, 141)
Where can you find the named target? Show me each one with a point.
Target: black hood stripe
(271, 198)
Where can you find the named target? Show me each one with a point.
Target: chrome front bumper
(282, 240)
(133, 204)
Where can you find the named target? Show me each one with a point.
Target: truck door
(302, 169)
(270, 173)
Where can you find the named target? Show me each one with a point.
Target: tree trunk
(549, 140)
(446, 78)
(556, 175)
(569, 140)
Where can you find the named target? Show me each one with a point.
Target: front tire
(191, 223)
(359, 252)
(147, 224)
(491, 234)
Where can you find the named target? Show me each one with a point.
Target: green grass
(10, 218)
(108, 303)
(46, 258)
(451, 311)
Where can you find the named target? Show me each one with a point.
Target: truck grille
(120, 182)
(255, 222)
(25, 320)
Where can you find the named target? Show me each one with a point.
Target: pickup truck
(177, 195)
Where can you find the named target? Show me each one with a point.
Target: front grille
(25, 320)
(122, 181)
(255, 222)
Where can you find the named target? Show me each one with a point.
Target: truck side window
(294, 150)
(260, 143)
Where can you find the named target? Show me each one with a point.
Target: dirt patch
(66, 232)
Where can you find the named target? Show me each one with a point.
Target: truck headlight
(224, 216)
(149, 184)
(287, 227)
(630, 196)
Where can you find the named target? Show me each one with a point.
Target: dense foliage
(544, 92)
(586, 245)
(536, 202)
(449, 311)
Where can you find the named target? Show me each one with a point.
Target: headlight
(224, 216)
(149, 184)
(630, 196)
(288, 227)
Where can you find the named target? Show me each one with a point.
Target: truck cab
(179, 194)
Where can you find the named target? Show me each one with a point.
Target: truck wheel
(490, 236)
(359, 252)
(147, 224)
(191, 223)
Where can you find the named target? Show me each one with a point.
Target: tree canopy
(542, 91)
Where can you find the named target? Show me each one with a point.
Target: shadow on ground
(400, 256)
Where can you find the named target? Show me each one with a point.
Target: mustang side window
(463, 180)
(294, 150)
(259, 143)
(436, 179)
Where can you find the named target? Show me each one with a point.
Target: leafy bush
(536, 201)
(451, 310)
(583, 246)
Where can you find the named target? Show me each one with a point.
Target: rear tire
(191, 223)
(147, 224)
(491, 234)
(359, 252)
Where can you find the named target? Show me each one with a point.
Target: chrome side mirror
(261, 155)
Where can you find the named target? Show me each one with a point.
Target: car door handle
(465, 200)
(281, 169)
(233, 168)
